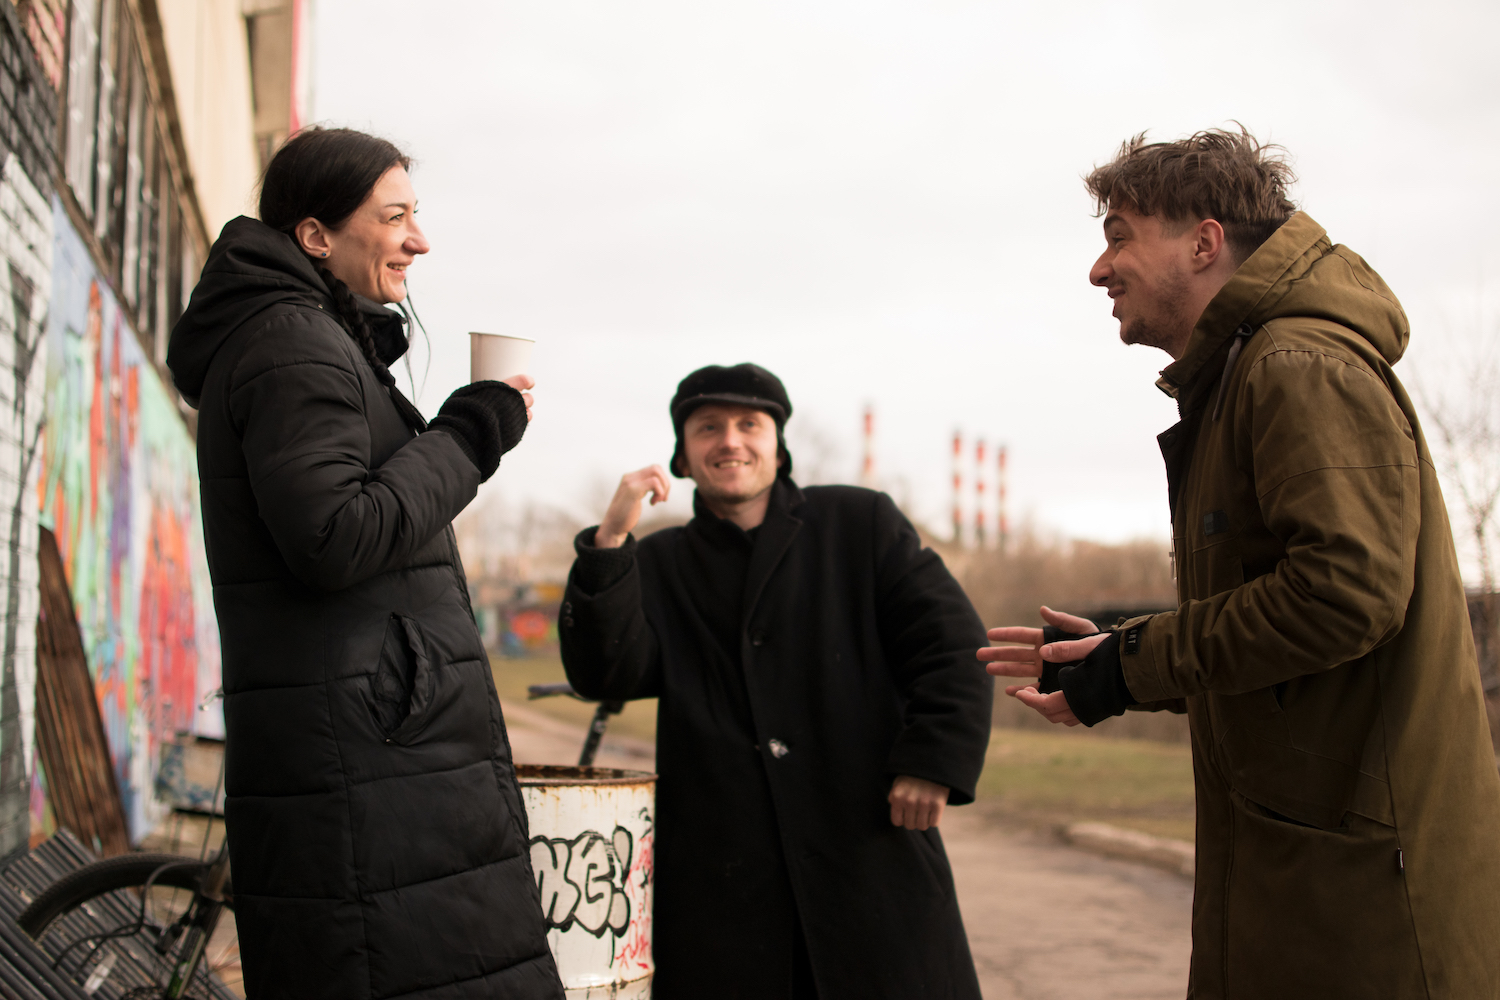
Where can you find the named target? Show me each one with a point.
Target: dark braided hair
(325, 174)
(359, 327)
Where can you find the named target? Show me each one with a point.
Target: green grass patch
(1063, 777)
(514, 676)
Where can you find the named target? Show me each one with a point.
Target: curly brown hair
(1229, 177)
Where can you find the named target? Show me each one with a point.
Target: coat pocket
(1313, 911)
(402, 684)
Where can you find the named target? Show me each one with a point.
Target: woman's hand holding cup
(521, 383)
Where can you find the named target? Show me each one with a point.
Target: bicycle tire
(127, 871)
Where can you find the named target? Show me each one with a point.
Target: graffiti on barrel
(633, 949)
(582, 881)
(592, 850)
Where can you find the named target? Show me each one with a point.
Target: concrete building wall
(208, 54)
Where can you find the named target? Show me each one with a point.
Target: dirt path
(1045, 921)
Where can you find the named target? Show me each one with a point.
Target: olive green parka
(1348, 803)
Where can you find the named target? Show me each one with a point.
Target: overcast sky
(881, 203)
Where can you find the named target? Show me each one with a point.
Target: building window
(115, 163)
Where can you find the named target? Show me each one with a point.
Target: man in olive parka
(1348, 803)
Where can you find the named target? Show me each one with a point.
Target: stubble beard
(732, 497)
(1164, 325)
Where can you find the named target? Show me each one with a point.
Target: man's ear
(1209, 244)
(312, 237)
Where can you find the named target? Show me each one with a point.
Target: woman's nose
(416, 242)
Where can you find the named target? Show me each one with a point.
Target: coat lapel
(777, 533)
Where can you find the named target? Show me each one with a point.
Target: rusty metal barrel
(592, 834)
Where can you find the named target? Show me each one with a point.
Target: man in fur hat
(819, 706)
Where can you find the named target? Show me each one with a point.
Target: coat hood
(1297, 272)
(251, 268)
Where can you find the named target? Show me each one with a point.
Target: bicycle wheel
(85, 920)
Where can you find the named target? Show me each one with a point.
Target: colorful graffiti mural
(119, 488)
(517, 620)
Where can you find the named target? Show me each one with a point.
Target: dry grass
(512, 677)
(1050, 778)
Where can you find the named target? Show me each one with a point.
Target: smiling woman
(372, 807)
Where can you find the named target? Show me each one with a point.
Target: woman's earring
(325, 253)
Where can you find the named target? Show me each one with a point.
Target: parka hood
(1297, 272)
(251, 268)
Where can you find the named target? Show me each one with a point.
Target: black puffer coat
(800, 671)
(377, 833)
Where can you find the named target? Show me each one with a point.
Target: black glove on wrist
(487, 419)
(596, 569)
(1049, 681)
(1095, 686)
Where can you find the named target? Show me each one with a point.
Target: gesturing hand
(1026, 660)
(521, 383)
(916, 803)
(625, 508)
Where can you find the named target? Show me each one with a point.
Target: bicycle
(160, 911)
(150, 926)
(596, 727)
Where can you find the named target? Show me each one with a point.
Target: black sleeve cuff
(596, 570)
(1095, 687)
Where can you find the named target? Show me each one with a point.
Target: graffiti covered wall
(26, 246)
(119, 488)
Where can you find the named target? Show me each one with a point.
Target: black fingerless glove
(487, 419)
(1095, 685)
(1050, 681)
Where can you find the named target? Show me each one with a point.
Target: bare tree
(1465, 419)
(817, 458)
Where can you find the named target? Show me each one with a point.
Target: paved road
(1045, 921)
(1049, 922)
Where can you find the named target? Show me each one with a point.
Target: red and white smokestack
(867, 471)
(1004, 524)
(979, 493)
(958, 483)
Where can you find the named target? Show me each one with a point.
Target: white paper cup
(497, 357)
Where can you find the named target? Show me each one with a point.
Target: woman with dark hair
(378, 838)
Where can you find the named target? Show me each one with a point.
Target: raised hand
(625, 508)
(1026, 660)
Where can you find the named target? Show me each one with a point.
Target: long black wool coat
(375, 826)
(800, 668)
